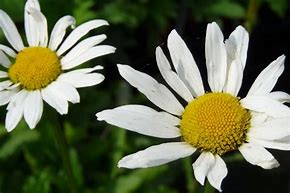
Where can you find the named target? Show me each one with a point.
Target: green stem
(208, 188)
(63, 150)
(252, 14)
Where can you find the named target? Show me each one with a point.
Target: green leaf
(278, 6)
(228, 9)
(39, 182)
(136, 178)
(17, 139)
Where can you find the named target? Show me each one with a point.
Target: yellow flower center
(215, 122)
(35, 68)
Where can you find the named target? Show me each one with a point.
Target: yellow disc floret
(215, 122)
(35, 68)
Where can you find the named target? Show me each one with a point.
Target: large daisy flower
(42, 70)
(214, 122)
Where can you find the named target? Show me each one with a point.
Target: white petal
(40, 23)
(235, 77)
(6, 96)
(171, 77)
(15, 110)
(202, 166)
(267, 79)
(55, 99)
(270, 130)
(3, 74)
(184, 64)
(157, 155)
(10, 52)
(10, 31)
(58, 31)
(282, 144)
(142, 119)
(258, 155)
(86, 56)
(4, 60)
(78, 33)
(154, 91)
(258, 118)
(216, 57)
(31, 25)
(266, 105)
(237, 45)
(217, 173)
(5, 84)
(33, 108)
(82, 47)
(280, 96)
(68, 92)
(81, 79)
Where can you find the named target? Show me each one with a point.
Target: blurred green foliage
(29, 159)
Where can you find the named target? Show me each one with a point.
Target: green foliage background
(29, 159)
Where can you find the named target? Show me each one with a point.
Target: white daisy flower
(42, 71)
(212, 123)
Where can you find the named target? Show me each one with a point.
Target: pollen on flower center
(215, 122)
(35, 68)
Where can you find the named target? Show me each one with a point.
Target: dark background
(29, 159)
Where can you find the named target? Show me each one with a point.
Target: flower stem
(252, 12)
(208, 188)
(63, 150)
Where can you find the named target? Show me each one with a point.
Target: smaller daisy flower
(212, 123)
(43, 70)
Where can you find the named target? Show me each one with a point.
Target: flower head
(214, 122)
(43, 69)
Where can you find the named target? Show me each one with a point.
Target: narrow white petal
(184, 64)
(30, 23)
(270, 130)
(202, 166)
(10, 52)
(258, 155)
(216, 57)
(157, 155)
(3, 74)
(280, 96)
(281, 144)
(6, 96)
(55, 99)
(217, 173)
(5, 84)
(78, 33)
(69, 92)
(266, 105)
(41, 25)
(142, 119)
(79, 80)
(237, 45)
(154, 91)
(235, 77)
(33, 108)
(10, 31)
(33, 3)
(15, 110)
(171, 77)
(58, 31)
(82, 47)
(267, 79)
(91, 53)
(4, 60)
